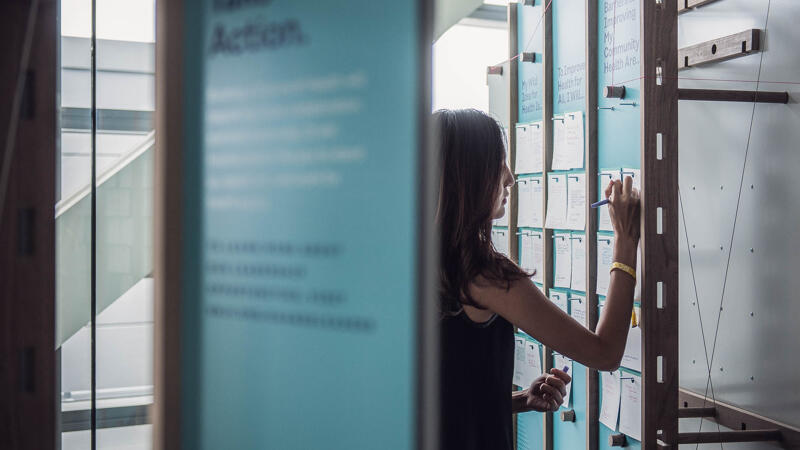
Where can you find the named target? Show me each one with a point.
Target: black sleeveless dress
(475, 387)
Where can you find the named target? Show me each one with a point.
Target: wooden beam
(168, 215)
(547, 235)
(720, 95)
(659, 183)
(513, 117)
(713, 437)
(739, 419)
(688, 5)
(591, 49)
(684, 413)
(720, 49)
(28, 140)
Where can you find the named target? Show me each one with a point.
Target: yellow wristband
(625, 268)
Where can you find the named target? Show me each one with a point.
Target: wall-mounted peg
(568, 416)
(617, 440)
(628, 103)
(529, 57)
(614, 92)
(610, 108)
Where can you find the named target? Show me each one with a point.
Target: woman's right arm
(524, 305)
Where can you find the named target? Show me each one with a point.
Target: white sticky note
(537, 202)
(556, 201)
(531, 196)
(500, 241)
(632, 358)
(577, 309)
(562, 154)
(605, 257)
(535, 142)
(560, 362)
(630, 412)
(609, 410)
(533, 362)
(529, 148)
(561, 300)
(576, 201)
(604, 219)
(519, 361)
(525, 207)
(537, 253)
(573, 136)
(578, 279)
(563, 255)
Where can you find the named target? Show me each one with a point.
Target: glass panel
(125, 100)
(73, 225)
(125, 105)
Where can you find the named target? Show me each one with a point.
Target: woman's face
(501, 200)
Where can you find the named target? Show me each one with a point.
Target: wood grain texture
(720, 95)
(737, 418)
(591, 56)
(659, 114)
(513, 118)
(27, 230)
(547, 235)
(168, 212)
(720, 49)
(688, 5)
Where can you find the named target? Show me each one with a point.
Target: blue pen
(605, 201)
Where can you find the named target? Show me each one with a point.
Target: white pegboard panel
(755, 365)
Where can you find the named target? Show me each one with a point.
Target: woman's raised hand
(624, 206)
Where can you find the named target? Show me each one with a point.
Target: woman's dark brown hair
(472, 158)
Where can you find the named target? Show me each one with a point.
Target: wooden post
(547, 235)
(28, 141)
(592, 382)
(513, 117)
(659, 159)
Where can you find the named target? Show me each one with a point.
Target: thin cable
(696, 296)
(533, 35)
(16, 105)
(736, 214)
(93, 256)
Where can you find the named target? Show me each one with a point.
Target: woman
(484, 294)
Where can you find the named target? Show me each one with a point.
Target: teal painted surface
(530, 75)
(530, 425)
(569, 56)
(605, 432)
(618, 131)
(250, 362)
(572, 435)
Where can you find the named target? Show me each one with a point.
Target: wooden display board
(624, 81)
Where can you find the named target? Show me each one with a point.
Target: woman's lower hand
(547, 392)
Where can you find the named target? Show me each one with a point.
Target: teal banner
(302, 124)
